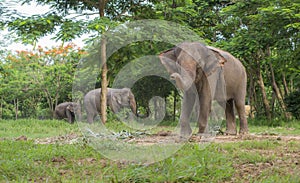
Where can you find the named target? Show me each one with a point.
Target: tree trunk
(254, 103)
(103, 98)
(285, 86)
(264, 95)
(104, 83)
(251, 93)
(16, 104)
(273, 103)
(292, 85)
(49, 101)
(277, 93)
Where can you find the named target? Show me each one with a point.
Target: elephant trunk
(133, 106)
(184, 81)
(78, 112)
(79, 116)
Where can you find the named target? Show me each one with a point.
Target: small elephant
(116, 99)
(215, 74)
(67, 111)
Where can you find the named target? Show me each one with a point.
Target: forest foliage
(263, 34)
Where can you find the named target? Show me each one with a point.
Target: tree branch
(125, 10)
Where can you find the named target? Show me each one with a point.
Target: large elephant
(215, 74)
(116, 99)
(67, 111)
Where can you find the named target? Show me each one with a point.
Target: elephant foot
(244, 131)
(182, 139)
(202, 129)
(230, 132)
(185, 133)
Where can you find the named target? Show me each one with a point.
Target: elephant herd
(116, 100)
(203, 74)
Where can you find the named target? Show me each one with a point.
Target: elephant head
(122, 98)
(74, 108)
(188, 62)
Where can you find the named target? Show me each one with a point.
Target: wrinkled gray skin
(116, 99)
(216, 74)
(67, 111)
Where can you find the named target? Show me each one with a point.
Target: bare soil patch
(168, 136)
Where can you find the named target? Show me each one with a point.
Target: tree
(30, 79)
(260, 33)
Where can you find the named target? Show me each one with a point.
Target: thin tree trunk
(251, 92)
(273, 103)
(103, 98)
(104, 83)
(292, 85)
(255, 100)
(273, 100)
(264, 95)
(16, 104)
(49, 101)
(277, 92)
(285, 86)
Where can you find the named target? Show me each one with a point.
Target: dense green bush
(293, 103)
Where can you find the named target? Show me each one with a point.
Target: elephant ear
(223, 54)
(117, 98)
(205, 58)
(76, 107)
(116, 102)
(168, 59)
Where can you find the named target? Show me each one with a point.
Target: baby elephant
(67, 111)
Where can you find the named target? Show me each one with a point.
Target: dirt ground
(167, 136)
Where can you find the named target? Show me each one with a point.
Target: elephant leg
(90, 118)
(69, 116)
(204, 111)
(240, 106)
(230, 118)
(186, 110)
(72, 118)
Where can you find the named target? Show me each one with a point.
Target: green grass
(244, 161)
(23, 161)
(276, 126)
(33, 128)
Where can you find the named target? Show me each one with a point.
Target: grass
(276, 126)
(243, 161)
(24, 161)
(33, 128)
